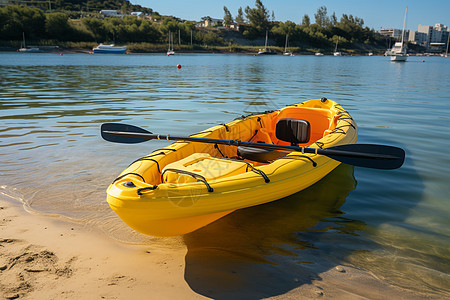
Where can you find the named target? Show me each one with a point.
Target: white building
(427, 35)
(110, 13)
(418, 37)
(439, 34)
(210, 22)
(138, 14)
(394, 33)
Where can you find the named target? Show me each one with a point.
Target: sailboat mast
(170, 38)
(285, 44)
(404, 23)
(267, 36)
(448, 40)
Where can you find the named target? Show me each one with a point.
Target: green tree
(333, 19)
(352, 28)
(321, 17)
(96, 27)
(227, 19)
(258, 17)
(16, 20)
(306, 20)
(240, 16)
(57, 26)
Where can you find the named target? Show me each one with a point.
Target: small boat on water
(170, 51)
(266, 50)
(318, 54)
(286, 52)
(398, 52)
(337, 53)
(110, 49)
(30, 49)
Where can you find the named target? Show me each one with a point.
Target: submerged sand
(46, 258)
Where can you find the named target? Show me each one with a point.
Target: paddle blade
(369, 156)
(117, 127)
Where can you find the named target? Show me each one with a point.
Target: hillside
(91, 5)
(79, 22)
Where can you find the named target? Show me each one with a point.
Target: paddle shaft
(326, 152)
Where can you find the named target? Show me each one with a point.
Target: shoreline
(88, 51)
(48, 258)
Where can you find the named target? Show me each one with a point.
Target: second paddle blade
(117, 127)
(379, 156)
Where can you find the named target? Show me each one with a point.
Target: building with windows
(439, 34)
(430, 37)
(417, 37)
(394, 33)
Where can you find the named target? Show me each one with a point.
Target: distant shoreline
(218, 51)
(213, 51)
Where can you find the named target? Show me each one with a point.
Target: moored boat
(337, 53)
(266, 50)
(30, 49)
(110, 49)
(286, 51)
(398, 52)
(190, 184)
(170, 51)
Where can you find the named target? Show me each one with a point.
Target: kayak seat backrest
(319, 120)
(294, 131)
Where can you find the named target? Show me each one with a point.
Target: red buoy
(423, 60)
(179, 66)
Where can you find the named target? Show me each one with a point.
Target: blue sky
(376, 14)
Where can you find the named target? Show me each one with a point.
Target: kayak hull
(159, 204)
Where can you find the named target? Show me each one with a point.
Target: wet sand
(45, 258)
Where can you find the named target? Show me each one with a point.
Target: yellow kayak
(188, 185)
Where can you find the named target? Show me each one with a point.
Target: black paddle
(361, 155)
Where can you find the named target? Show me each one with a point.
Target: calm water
(394, 224)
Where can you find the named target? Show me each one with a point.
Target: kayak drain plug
(129, 184)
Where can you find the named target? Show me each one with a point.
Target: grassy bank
(50, 45)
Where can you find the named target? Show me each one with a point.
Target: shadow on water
(246, 252)
(271, 249)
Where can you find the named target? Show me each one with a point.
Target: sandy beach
(47, 258)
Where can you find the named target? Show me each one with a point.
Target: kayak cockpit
(293, 126)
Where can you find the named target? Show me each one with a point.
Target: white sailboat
(337, 53)
(266, 50)
(398, 52)
(286, 52)
(24, 48)
(170, 50)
